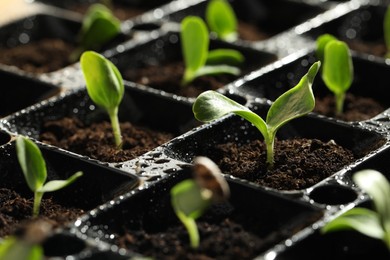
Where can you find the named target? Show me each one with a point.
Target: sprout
(105, 87)
(337, 70)
(26, 244)
(373, 223)
(222, 20)
(14, 248)
(294, 103)
(192, 197)
(99, 26)
(195, 47)
(34, 169)
(321, 42)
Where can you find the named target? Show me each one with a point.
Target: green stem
(339, 103)
(386, 238)
(269, 143)
(191, 227)
(113, 114)
(187, 77)
(37, 203)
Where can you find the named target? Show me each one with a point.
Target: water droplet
(158, 13)
(24, 38)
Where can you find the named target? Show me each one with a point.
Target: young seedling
(199, 61)
(222, 20)
(191, 198)
(34, 169)
(13, 248)
(373, 223)
(337, 69)
(321, 42)
(99, 27)
(26, 244)
(104, 86)
(294, 103)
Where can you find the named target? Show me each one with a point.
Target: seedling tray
(124, 202)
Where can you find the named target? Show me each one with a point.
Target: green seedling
(191, 198)
(373, 223)
(99, 27)
(14, 248)
(337, 69)
(321, 42)
(222, 20)
(26, 244)
(386, 31)
(199, 61)
(34, 169)
(104, 86)
(294, 103)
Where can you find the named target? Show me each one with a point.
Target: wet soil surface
(168, 76)
(299, 163)
(222, 236)
(250, 32)
(375, 48)
(97, 142)
(16, 211)
(356, 108)
(38, 57)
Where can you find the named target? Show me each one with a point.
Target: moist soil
(299, 163)
(167, 77)
(45, 55)
(374, 48)
(97, 141)
(222, 236)
(16, 212)
(356, 108)
(250, 32)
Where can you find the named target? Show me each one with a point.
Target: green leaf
(337, 71)
(225, 56)
(362, 220)
(187, 198)
(377, 186)
(59, 184)
(386, 28)
(195, 44)
(32, 163)
(103, 80)
(221, 19)
(99, 27)
(294, 103)
(321, 42)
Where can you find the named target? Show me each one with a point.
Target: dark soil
(97, 142)
(250, 32)
(16, 211)
(41, 56)
(227, 236)
(375, 48)
(356, 108)
(226, 240)
(167, 77)
(299, 163)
